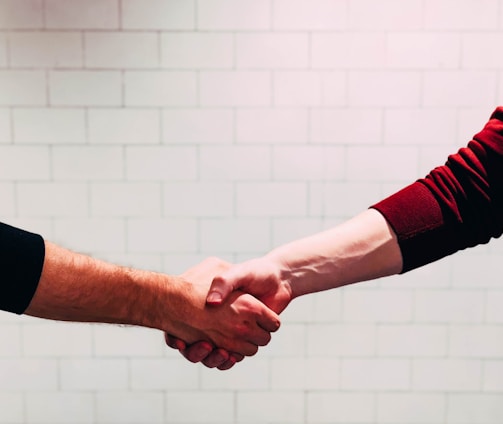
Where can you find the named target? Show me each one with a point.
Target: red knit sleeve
(455, 206)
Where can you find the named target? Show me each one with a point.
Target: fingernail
(214, 297)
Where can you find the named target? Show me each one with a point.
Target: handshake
(215, 313)
(231, 310)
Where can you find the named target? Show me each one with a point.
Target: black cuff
(21, 260)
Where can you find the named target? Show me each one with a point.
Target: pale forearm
(360, 249)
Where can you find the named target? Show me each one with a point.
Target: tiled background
(154, 133)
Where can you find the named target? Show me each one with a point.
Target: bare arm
(75, 287)
(362, 248)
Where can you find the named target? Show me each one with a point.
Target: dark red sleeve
(455, 206)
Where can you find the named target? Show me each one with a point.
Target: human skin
(76, 287)
(362, 248)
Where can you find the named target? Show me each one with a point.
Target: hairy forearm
(75, 287)
(360, 249)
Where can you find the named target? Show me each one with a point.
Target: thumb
(220, 289)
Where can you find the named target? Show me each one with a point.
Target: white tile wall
(154, 133)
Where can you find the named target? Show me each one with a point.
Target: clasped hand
(242, 304)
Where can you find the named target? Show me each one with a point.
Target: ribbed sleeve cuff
(21, 261)
(417, 219)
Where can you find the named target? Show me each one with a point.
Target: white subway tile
(278, 407)
(128, 50)
(272, 125)
(158, 14)
(346, 126)
(12, 407)
(22, 88)
(121, 342)
(235, 163)
(348, 50)
(35, 375)
(290, 341)
(250, 374)
(308, 163)
(59, 408)
(412, 340)
(121, 199)
(124, 126)
(93, 14)
(287, 230)
(375, 374)
(310, 14)
(474, 408)
(492, 381)
(340, 408)
(337, 340)
(411, 408)
(50, 49)
(161, 163)
(476, 341)
(384, 88)
(87, 163)
(273, 199)
(198, 126)
(421, 127)
(150, 88)
(85, 88)
(493, 310)
(11, 333)
(49, 126)
(15, 14)
(162, 236)
(291, 373)
(459, 88)
(382, 164)
(446, 374)
(449, 306)
(297, 88)
(5, 126)
(235, 88)
(345, 199)
(164, 374)
(334, 88)
(229, 235)
(464, 270)
(66, 339)
(3, 50)
(52, 199)
(212, 407)
(272, 51)
(466, 16)
(234, 14)
(198, 199)
(393, 14)
(423, 50)
(131, 407)
(35, 162)
(93, 235)
(197, 50)
(473, 46)
(125, 199)
(8, 205)
(82, 374)
(375, 305)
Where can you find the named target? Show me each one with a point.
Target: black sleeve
(21, 261)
